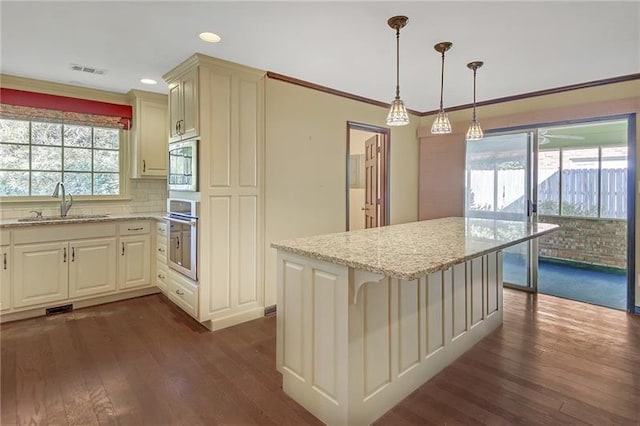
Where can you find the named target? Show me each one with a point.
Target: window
(583, 182)
(34, 155)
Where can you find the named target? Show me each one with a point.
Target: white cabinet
(92, 266)
(183, 106)
(41, 273)
(5, 277)
(149, 135)
(231, 244)
(134, 262)
(162, 272)
(184, 293)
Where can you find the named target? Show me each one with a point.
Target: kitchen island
(366, 317)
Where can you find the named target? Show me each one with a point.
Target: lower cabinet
(51, 264)
(162, 270)
(5, 277)
(92, 267)
(41, 273)
(135, 261)
(184, 293)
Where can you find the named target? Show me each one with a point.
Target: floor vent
(60, 309)
(270, 310)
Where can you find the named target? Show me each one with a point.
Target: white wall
(305, 176)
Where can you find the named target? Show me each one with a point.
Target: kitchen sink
(59, 218)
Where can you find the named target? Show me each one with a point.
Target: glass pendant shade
(474, 133)
(398, 115)
(441, 124)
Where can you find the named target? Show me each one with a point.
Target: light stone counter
(411, 250)
(15, 223)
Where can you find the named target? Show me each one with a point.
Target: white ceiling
(526, 46)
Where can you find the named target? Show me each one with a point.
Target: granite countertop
(411, 250)
(75, 219)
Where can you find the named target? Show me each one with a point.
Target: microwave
(183, 166)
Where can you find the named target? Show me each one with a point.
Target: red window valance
(26, 103)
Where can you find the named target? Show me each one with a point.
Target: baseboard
(234, 319)
(270, 310)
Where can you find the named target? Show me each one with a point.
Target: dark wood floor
(145, 362)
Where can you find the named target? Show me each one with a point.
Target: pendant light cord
(474, 94)
(442, 81)
(398, 63)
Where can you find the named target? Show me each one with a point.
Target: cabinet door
(40, 273)
(5, 278)
(92, 266)
(152, 139)
(189, 125)
(175, 110)
(134, 262)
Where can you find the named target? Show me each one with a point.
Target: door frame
(531, 194)
(383, 171)
(631, 186)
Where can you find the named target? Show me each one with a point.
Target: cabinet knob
(123, 249)
(179, 293)
(64, 255)
(161, 276)
(161, 250)
(4, 261)
(144, 166)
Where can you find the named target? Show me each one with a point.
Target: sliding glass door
(499, 174)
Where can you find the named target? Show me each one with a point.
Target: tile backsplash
(147, 195)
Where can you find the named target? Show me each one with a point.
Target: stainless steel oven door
(183, 243)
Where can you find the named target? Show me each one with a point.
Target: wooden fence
(580, 193)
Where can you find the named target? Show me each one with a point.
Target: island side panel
(312, 334)
(348, 358)
(402, 333)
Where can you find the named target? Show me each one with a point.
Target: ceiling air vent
(87, 69)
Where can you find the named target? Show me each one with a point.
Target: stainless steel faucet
(64, 204)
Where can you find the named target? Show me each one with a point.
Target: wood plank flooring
(145, 362)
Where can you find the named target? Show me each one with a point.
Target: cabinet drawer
(161, 229)
(183, 293)
(161, 252)
(162, 277)
(5, 236)
(133, 228)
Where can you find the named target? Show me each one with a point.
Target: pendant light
(475, 131)
(441, 124)
(397, 113)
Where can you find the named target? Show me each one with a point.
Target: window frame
(123, 174)
(599, 216)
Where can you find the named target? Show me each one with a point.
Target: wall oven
(182, 255)
(183, 166)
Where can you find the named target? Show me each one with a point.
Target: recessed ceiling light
(210, 37)
(148, 81)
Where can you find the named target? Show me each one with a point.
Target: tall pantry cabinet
(230, 116)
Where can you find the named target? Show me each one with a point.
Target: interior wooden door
(371, 182)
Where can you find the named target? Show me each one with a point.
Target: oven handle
(191, 222)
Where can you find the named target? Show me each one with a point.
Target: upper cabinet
(183, 105)
(149, 135)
